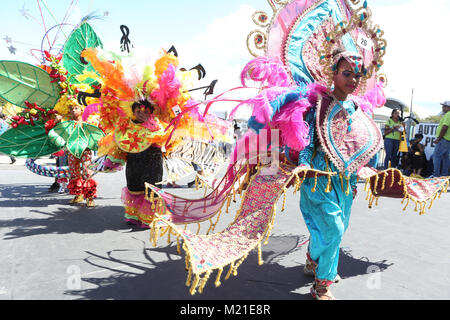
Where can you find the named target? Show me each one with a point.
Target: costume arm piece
(109, 148)
(306, 154)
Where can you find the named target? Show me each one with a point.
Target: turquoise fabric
(326, 215)
(304, 30)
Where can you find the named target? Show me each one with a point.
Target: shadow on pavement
(165, 280)
(66, 220)
(28, 196)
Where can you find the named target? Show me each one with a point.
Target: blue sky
(214, 33)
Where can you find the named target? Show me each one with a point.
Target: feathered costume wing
(41, 90)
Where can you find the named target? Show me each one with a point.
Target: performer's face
(345, 79)
(142, 114)
(75, 111)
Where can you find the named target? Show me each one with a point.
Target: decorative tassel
(152, 200)
(284, 200)
(204, 281)
(422, 207)
(347, 192)
(260, 259)
(369, 192)
(196, 183)
(297, 183)
(235, 273)
(366, 187)
(328, 188)
(187, 259)
(407, 203)
(383, 184)
(228, 202)
(189, 277)
(217, 283)
(377, 178)
(229, 271)
(178, 245)
(372, 198)
(315, 183)
(193, 289)
(432, 200)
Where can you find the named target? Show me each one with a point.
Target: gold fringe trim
(419, 206)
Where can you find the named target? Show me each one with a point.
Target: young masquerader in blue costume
(325, 202)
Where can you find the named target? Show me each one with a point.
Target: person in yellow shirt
(392, 136)
(441, 152)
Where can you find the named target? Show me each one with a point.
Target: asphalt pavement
(53, 251)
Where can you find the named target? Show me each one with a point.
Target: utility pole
(411, 115)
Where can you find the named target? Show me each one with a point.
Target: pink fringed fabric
(142, 209)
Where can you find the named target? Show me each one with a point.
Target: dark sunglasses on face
(348, 74)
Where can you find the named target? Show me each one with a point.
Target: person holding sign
(392, 137)
(441, 152)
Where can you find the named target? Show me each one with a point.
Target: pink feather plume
(263, 69)
(169, 87)
(294, 131)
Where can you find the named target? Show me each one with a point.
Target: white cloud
(417, 52)
(222, 50)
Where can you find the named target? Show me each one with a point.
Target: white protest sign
(429, 137)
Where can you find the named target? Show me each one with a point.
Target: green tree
(432, 119)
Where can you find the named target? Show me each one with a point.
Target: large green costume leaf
(81, 38)
(75, 137)
(27, 141)
(20, 82)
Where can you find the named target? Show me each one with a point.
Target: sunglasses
(348, 74)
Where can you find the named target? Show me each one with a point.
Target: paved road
(54, 251)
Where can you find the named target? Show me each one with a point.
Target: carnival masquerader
(147, 112)
(81, 184)
(142, 167)
(326, 210)
(326, 120)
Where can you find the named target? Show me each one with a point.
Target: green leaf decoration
(20, 82)
(81, 38)
(27, 141)
(75, 137)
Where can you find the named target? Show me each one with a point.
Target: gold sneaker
(78, 199)
(90, 203)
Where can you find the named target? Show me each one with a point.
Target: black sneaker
(54, 187)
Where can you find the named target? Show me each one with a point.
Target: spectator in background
(237, 131)
(4, 126)
(416, 156)
(392, 136)
(441, 151)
